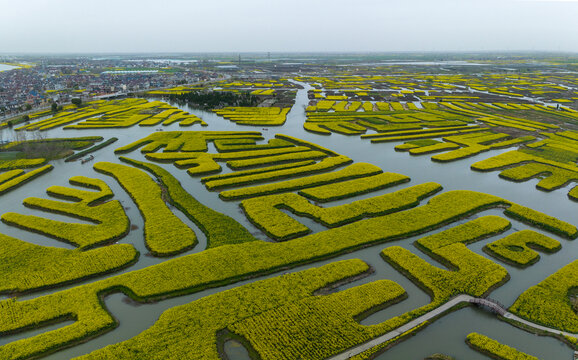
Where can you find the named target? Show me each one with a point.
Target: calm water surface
(445, 335)
(4, 67)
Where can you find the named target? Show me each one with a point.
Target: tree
(28, 107)
(76, 101)
(54, 107)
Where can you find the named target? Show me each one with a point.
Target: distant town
(39, 82)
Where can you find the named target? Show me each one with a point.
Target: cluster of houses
(28, 89)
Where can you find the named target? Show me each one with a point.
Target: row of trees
(215, 99)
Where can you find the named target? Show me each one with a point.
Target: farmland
(336, 208)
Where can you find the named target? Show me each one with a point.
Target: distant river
(4, 67)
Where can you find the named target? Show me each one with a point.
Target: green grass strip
(548, 302)
(460, 153)
(20, 164)
(191, 331)
(433, 148)
(227, 145)
(315, 128)
(18, 144)
(90, 150)
(542, 220)
(515, 141)
(108, 220)
(467, 233)
(276, 159)
(417, 132)
(26, 267)
(342, 190)
(256, 171)
(514, 249)
(9, 175)
(165, 233)
(216, 267)
(326, 164)
(227, 156)
(264, 211)
(23, 179)
(494, 349)
(220, 229)
(306, 143)
(173, 141)
(553, 179)
(354, 171)
(421, 136)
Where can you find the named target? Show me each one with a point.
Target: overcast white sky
(291, 25)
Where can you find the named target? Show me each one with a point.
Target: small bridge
(492, 305)
(489, 304)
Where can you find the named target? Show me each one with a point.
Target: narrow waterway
(6, 67)
(445, 335)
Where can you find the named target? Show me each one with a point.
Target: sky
(168, 26)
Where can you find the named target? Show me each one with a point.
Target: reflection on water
(234, 350)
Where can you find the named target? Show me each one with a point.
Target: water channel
(446, 335)
(5, 67)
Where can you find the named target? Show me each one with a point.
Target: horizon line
(228, 52)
